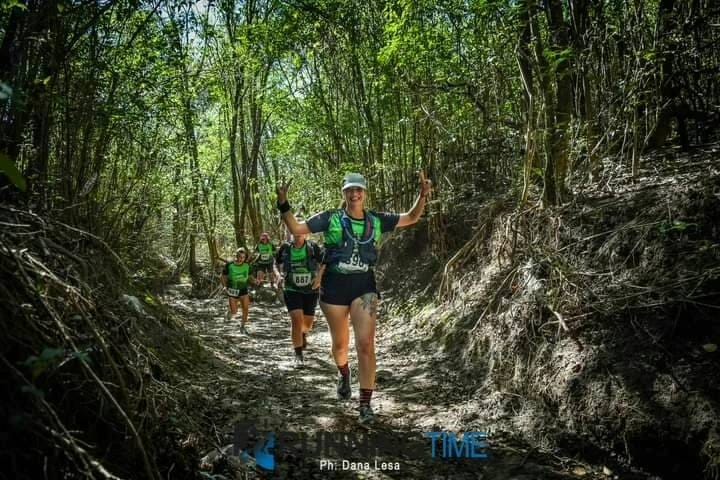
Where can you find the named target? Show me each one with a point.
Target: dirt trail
(252, 378)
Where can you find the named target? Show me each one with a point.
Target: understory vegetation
(589, 327)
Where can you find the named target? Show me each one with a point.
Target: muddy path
(251, 380)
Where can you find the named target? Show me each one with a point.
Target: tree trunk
(663, 127)
(563, 95)
(524, 56)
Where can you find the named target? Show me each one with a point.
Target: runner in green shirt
(235, 278)
(264, 257)
(297, 264)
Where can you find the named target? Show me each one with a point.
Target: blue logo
(262, 451)
(472, 445)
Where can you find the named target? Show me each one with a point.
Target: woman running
(264, 253)
(235, 278)
(297, 265)
(348, 286)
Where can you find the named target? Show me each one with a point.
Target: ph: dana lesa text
(364, 466)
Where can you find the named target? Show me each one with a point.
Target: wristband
(284, 207)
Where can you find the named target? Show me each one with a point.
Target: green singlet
(300, 278)
(266, 251)
(238, 275)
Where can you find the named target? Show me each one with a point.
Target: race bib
(233, 292)
(354, 265)
(264, 257)
(302, 279)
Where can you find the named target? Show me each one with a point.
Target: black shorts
(342, 289)
(263, 267)
(301, 301)
(241, 292)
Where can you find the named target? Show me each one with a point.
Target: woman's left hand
(282, 191)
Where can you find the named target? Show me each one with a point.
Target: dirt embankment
(91, 365)
(592, 327)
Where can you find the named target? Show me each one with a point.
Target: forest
(558, 289)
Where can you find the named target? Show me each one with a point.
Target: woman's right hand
(425, 185)
(282, 191)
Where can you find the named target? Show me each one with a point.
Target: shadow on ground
(251, 380)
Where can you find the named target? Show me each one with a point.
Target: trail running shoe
(343, 388)
(299, 361)
(367, 416)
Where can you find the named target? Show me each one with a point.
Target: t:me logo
(448, 445)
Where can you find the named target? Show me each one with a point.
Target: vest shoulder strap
(368, 234)
(315, 249)
(284, 250)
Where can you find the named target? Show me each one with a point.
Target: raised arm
(413, 215)
(295, 227)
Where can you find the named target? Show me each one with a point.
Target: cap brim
(350, 185)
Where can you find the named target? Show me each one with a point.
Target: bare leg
(233, 306)
(308, 321)
(337, 317)
(363, 313)
(296, 317)
(245, 302)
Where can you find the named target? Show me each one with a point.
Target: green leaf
(8, 167)
(676, 225)
(5, 91)
(30, 361)
(682, 226)
(558, 58)
(82, 356)
(32, 389)
(48, 358)
(8, 4)
(49, 354)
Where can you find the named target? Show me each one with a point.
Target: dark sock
(365, 396)
(344, 370)
(298, 351)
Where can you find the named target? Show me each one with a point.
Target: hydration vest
(311, 263)
(310, 254)
(343, 252)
